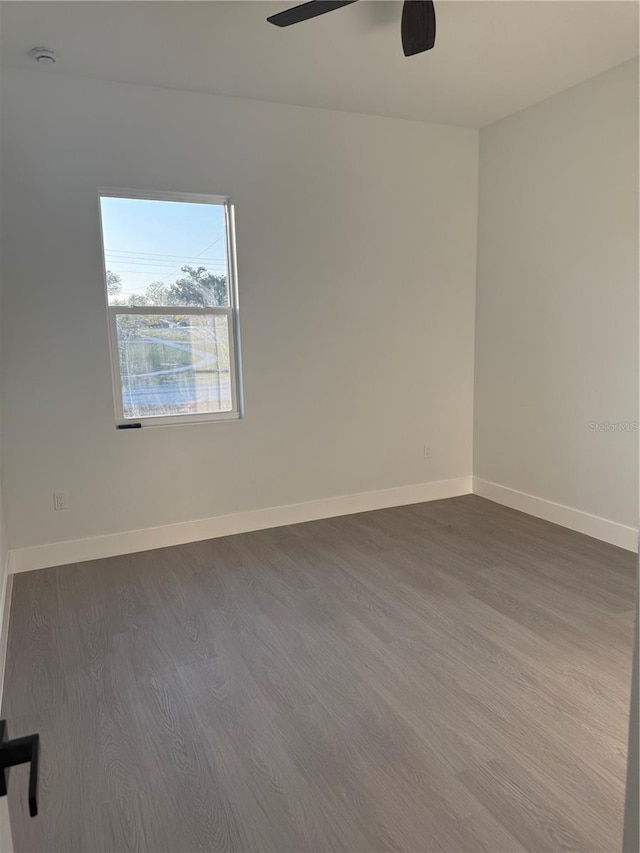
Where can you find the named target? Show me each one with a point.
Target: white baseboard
(566, 516)
(128, 542)
(131, 541)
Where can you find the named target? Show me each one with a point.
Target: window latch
(20, 750)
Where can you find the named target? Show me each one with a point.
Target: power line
(194, 258)
(156, 264)
(151, 254)
(158, 272)
(160, 264)
(166, 254)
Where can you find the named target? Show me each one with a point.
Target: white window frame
(231, 312)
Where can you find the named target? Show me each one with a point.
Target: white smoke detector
(42, 55)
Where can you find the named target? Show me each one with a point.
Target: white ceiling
(490, 58)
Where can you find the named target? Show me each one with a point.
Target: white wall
(356, 254)
(6, 841)
(4, 548)
(557, 298)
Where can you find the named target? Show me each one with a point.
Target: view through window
(172, 306)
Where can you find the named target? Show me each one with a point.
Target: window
(173, 308)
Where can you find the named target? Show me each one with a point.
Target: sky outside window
(148, 241)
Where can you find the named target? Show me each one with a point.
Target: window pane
(173, 364)
(164, 253)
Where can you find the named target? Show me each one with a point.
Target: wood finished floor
(450, 676)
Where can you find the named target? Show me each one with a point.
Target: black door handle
(20, 750)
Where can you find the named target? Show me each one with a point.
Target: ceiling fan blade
(306, 11)
(418, 26)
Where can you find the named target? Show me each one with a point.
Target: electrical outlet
(60, 501)
(427, 452)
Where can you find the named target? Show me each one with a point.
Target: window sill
(155, 423)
